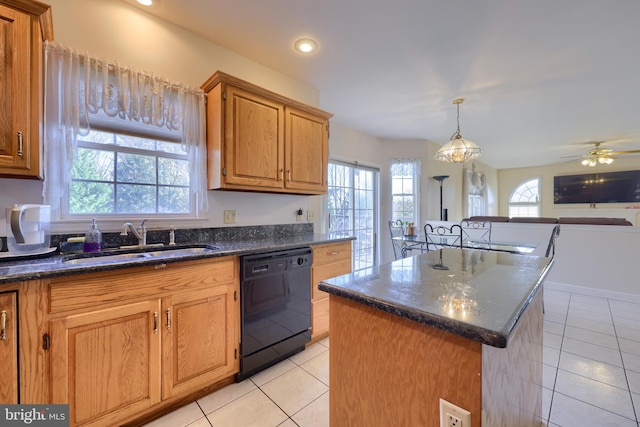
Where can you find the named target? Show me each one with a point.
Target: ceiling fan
(603, 156)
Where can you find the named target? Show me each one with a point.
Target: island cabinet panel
(134, 342)
(385, 367)
(329, 260)
(106, 364)
(9, 348)
(200, 332)
(258, 140)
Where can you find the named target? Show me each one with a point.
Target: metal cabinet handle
(155, 322)
(334, 253)
(282, 174)
(20, 143)
(168, 312)
(3, 332)
(289, 174)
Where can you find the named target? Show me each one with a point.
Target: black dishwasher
(275, 308)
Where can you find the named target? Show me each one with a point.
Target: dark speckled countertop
(472, 293)
(51, 266)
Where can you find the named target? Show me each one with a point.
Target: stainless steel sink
(108, 258)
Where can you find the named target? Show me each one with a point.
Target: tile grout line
(555, 377)
(624, 369)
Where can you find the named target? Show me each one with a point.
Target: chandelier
(458, 149)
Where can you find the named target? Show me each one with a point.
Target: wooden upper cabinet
(23, 26)
(258, 140)
(307, 151)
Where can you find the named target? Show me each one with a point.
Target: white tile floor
(591, 375)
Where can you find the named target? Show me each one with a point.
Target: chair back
(441, 236)
(396, 229)
(477, 231)
(551, 247)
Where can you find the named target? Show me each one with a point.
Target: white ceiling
(541, 78)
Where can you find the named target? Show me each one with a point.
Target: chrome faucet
(140, 233)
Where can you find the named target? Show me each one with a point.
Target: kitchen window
(525, 199)
(352, 202)
(119, 141)
(405, 181)
(122, 174)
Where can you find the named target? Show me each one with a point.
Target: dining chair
(396, 229)
(477, 231)
(440, 236)
(551, 247)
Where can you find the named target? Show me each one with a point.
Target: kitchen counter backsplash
(195, 235)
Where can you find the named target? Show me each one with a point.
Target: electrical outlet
(310, 215)
(299, 214)
(230, 217)
(453, 416)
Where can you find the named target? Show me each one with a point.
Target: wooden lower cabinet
(8, 348)
(329, 260)
(106, 363)
(128, 343)
(199, 339)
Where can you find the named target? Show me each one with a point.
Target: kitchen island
(462, 325)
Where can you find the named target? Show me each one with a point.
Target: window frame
(415, 193)
(515, 204)
(135, 130)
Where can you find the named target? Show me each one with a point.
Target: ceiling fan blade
(625, 152)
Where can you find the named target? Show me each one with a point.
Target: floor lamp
(441, 178)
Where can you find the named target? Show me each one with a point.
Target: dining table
(419, 242)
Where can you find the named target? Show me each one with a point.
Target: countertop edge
(52, 266)
(493, 338)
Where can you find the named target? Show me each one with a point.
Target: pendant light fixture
(458, 149)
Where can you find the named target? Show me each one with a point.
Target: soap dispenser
(93, 238)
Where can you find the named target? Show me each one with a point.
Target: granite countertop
(476, 294)
(53, 265)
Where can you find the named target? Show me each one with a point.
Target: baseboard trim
(584, 290)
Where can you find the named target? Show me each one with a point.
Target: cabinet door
(200, 339)
(254, 138)
(8, 348)
(15, 95)
(307, 152)
(106, 364)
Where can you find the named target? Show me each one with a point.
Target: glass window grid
(404, 191)
(118, 146)
(525, 199)
(352, 207)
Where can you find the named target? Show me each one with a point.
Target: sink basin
(104, 258)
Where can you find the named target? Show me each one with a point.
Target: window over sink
(119, 141)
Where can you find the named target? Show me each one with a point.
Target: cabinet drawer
(326, 271)
(323, 254)
(104, 288)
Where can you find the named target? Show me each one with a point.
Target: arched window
(525, 199)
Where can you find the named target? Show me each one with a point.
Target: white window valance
(83, 92)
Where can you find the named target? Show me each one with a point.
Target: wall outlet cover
(453, 416)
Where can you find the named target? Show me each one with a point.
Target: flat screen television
(609, 187)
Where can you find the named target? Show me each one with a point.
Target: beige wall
(509, 179)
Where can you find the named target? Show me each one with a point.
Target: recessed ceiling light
(306, 45)
(145, 2)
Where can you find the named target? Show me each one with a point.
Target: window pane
(171, 147)
(173, 200)
(135, 142)
(173, 172)
(90, 197)
(136, 168)
(94, 165)
(98, 137)
(136, 198)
